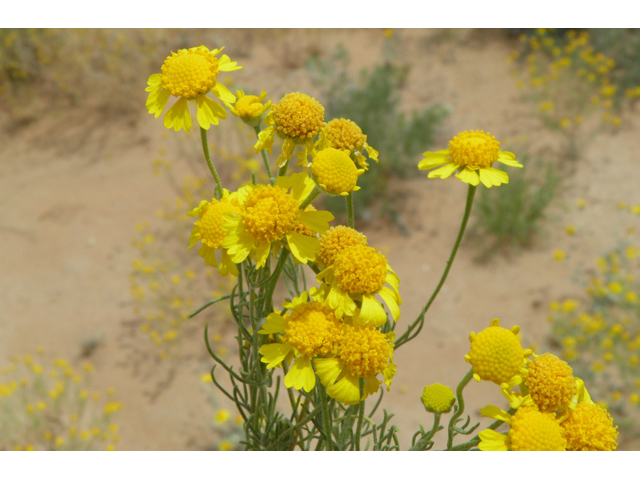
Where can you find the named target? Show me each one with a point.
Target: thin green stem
(265, 159)
(422, 443)
(310, 198)
(360, 415)
(350, 215)
(459, 407)
(205, 149)
(274, 280)
(419, 322)
(283, 169)
(326, 417)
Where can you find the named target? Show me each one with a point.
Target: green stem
(422, 443)
(283, 169)
(420, 320)
(205, 149)
(459, 407)
(310, 198)
(265, 159)
(360, 415)
(350, 214)
(326, 417)
(272, 286)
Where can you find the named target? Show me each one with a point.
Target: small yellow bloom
(249, 107)
(335, 241)
(222, 416)
(559, 255)
(346, 135)
(335, 172)
(472, 155)
(438, 398)
(570, 229)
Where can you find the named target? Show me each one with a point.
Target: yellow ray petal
(328, 370)
(209, 112)
(491, 440)
(209, 254)
(346, 390)
(443, 172)
(317, 221)
(302, 247)
(227, 266)
(469, 176)
(372, 313)
(178, 116)
(389, 297)
(275, 324)
(223, 93)
(301, 375)
(274, 353)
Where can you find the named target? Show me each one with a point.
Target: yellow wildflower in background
(271, 215)
(297, 119)
(363, 352)
(496, 354)
(190, 75)
(310, 329)
(471, 154)
(346, 135)
(209, 230)
(358, 274)
(335, 172)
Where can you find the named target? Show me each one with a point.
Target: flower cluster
(50, 406)
(552, 409)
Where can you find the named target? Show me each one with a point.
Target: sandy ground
(70, 198)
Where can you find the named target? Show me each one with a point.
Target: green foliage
(373, 103)
(510, 216)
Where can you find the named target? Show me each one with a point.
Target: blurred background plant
(577, 89)
(49, 405)
(600, 334)
(229, 432)
(373, 103)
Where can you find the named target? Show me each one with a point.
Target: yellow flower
(363, 352)
(210, 232)
(358, 274)
(346, 135)
(190, 75)
(472, 154)
(249, 107)
(550, 382)
(438, 398)
(496, 354)
(309, 330)
(335, 172)
(559, 255)
(297, 119)
(270, 215)
(335, 241)
(222, 416)
(531, 430)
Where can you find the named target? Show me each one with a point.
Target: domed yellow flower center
(532, 430)
(210, 225)
(496, 354)
(550, 382)
(364, 351)
(438, 398)
(298, 116)
(335, 170)
(336, 240)
(189, 73)
(270, 213)
(360, 269)
(313, 329)
(345, 135)
(475, 149)
(249, 106)
(590, 427)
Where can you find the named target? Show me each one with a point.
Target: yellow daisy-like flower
(438, 398)
(347, 135)
(209, 230)
(363, 352)
(335, 172)
(190, 75)
(297, 119)
(472, 154)
(249, 107)
(590, 427)
(550, 382)
(335, 241)
(358, 274)
(496, 354)
(309, 330)
(531, 430)
(270, 214)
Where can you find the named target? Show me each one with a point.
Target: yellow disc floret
(345, 135)
(474, 149)
(189, 73)
(496, 354)
(550, 382)
(209, 226)
(590, 427)
(438, 398)
(270, 213)
(336, 240)
(360, 269)
(298, 116)
(364, 351)
(532, 430)
(335, 171)
(313, 329)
